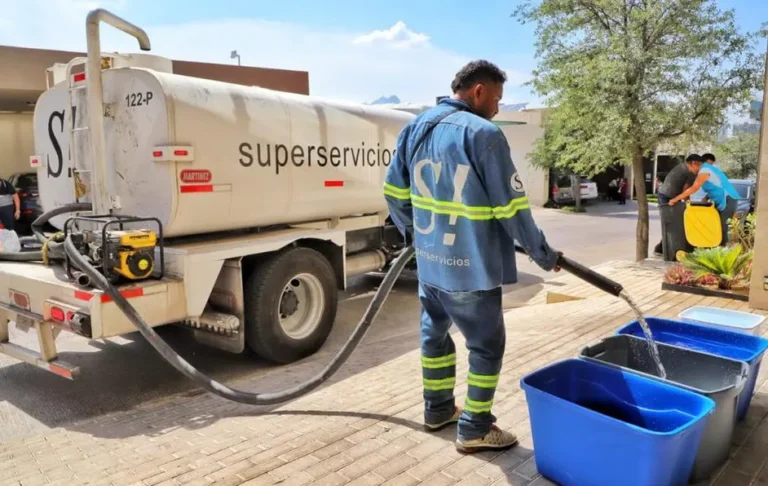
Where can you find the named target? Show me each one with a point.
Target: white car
(588, 189)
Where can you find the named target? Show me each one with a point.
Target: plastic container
(726, 319)
(599, 425)
(728, 344)
(672, 231)
(718, 378)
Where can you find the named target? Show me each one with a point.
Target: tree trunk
(576, 189)
(638, 174)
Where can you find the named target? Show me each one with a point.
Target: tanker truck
(236, 211)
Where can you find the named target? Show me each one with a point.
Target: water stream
(648, 335)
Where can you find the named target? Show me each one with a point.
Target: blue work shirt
(460, 197)
(717, 186)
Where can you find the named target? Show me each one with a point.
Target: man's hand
(17, 214)
(557, 267)
(672, 202)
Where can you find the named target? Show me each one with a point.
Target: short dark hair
(693, 158)
(477, 72)
(707, 157)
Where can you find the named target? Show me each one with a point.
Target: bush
(732, 266)
(742, 232)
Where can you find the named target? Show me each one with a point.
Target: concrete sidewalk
(365, 426)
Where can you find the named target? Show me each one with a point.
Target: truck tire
(290, 305)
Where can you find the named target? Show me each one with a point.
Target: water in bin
(715, 377)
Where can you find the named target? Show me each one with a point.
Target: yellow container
(702, 225)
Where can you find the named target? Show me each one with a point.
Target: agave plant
(730, 265)
(679, 275)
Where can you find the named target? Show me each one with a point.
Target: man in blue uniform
(454, 193)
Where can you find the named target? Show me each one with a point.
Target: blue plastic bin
(728, 344)
(596, 425)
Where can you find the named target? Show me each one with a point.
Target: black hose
(38, 223)
(220, 389)
(21, 256)
(587, 274)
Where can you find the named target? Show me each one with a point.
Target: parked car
(26, 187)
(562, 192)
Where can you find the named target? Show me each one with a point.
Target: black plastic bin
(718, 378)
(672, 230)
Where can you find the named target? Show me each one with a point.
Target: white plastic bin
(725, 319)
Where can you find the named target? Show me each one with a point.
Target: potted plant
(730, 267)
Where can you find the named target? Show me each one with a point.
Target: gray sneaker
(494, 440)
(442, 425)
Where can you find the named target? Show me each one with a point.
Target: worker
(718, 189)
(10, 205)
(454, 193)
(680, 178)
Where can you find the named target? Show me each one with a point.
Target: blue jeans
(479, 317)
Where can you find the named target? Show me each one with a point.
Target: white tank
(205, 156)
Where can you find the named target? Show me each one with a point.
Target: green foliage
(624, 76)
(743, 233)
(738, 155)
(731, 265)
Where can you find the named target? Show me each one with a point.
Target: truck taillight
(57, 314)
(19, 299)
(181, 153)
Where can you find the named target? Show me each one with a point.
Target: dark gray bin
(718, 378)
(672, 230)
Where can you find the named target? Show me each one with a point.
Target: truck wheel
(290, 305)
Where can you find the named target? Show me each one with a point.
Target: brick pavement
(364, 427)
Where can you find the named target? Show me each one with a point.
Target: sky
(355, 50)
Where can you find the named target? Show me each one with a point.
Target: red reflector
(57, 314)
(70, 316)
(585, 187)
(27, 211)
(79, 77)
(82, 295)
(125, 293)
(60, 371)
(157, 153)
(334, 183)
(20, 300)
(181, 153)
(197, 188)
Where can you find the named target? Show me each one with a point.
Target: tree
(738, 155)
(624, 76)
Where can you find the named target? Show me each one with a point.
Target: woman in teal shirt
(718, 188)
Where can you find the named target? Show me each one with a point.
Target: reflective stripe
(476, 406)
(437, 385)
(483, 381)
(439, 362)
(397, 192)
(450, 208)
(511, 209)
(452, 205)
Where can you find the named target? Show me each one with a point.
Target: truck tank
(205, 156)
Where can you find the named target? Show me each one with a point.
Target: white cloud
(399, 35)
(343, 64)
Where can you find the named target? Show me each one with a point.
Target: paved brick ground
(365, 426)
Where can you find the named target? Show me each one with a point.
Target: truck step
(57, 366)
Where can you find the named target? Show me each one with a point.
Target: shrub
(730, 265)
